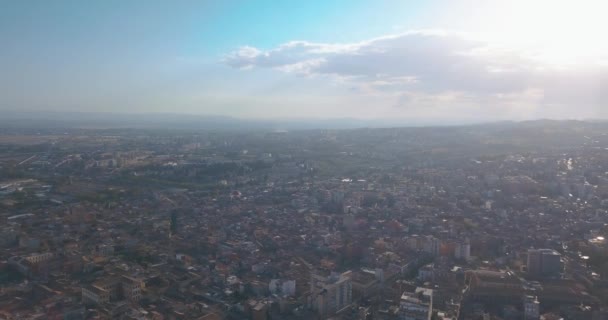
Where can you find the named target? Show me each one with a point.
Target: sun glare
(556, 32)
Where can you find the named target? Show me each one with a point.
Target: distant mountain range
(99, 120)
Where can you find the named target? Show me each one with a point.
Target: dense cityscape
(303, 160)
(496, 221)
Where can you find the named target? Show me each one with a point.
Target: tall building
(132, 288)
(284, 288)
(533, 263)
(463, 250)
(431, 245)
(332, 293)
(544, 263)
(531, 308)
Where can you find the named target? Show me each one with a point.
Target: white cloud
(436, 70)
(245, 57)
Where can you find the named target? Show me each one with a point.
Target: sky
(434, 60)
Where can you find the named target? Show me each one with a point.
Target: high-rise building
(533, 263)
(330, 294)
(132, 288)
(431, 245)
(551, 263)
(285, 288)
(463, 250)
(531, 308)
(544, 263)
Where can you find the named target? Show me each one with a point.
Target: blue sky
(365, 59)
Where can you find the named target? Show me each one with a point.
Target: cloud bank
(432, 73)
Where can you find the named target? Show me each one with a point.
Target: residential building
(544, 263)
(417, 305)
(531, 308)
(332, 293)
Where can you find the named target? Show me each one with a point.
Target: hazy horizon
(437, 62)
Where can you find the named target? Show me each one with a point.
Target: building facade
(544, 263)
(417, 305)
(332, 293)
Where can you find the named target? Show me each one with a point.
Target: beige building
(132, 288)
(95, 295)
(113, 289)
(38, 258)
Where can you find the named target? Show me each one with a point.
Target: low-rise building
(417, 305)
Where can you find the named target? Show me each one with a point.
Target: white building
(330, 294)
(417, 305)
(284, 288)
(463, 251)
(531, 308)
